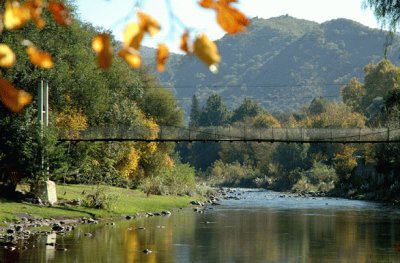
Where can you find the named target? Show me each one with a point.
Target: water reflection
(235, 234)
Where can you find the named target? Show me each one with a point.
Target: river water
(263, 226)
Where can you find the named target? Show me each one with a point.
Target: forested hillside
(282, 62)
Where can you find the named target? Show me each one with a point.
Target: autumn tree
(352, 94)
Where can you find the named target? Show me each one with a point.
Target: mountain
(283, 62)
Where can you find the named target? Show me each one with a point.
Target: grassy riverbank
(124, 202)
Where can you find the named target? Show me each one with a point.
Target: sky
(180, 14)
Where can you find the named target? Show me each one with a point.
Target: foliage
(291, 156)
(387, 11)
(215, 112)
(336, 115)
(71, 121)
(233, 174)
(318, 106)
(100, 198)
(248, 108)
(352, 94)
(180, 180)
(27, 150)
(194, 112)
(345, 161)
(161, 104)
(265, 120)
(320, 178)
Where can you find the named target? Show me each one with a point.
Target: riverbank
(122, 202)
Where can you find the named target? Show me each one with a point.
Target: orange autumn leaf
(60, 13)
(184, 44)
(7, 56)
(35, 8)
(229, 18)
(148, 24)
(15, 15)
(206, 3)
(162, 56)
(101, 44)
(206, 50)
(39, 58)
(133, 36)
(131, 56)
(13, 98)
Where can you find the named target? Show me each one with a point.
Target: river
(262, 226)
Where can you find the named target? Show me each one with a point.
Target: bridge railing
(237, 133)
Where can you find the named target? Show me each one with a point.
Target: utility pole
(48, 187)
(43, 110)
(43, 104)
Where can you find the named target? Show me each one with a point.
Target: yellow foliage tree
(345, 161)
(266, 121)
(71, 121)
(337, 115)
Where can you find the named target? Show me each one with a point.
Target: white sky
(115, 14)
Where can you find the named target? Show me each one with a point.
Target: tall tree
(215, 112)
(194, 112)
(247, 109)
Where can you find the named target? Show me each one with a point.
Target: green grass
(128, 202)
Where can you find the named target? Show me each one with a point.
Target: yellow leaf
(13, 98)
(206, 50)
(133, 36)
(7, 56)
(184, 45)
(39, 58)
(148, 24)
(162, 56)
(60, 13)
(35, 8)
(101, 44)
(206, 3)
(230, 18)
(15, 15)
(131, 56)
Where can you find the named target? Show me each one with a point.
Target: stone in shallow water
(147, 251)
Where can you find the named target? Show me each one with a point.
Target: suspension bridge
(233, 134)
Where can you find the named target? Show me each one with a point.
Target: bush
(99, 198)
(320, 178)
(177, 181)
(234, 175)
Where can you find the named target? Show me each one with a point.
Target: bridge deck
(235, 134)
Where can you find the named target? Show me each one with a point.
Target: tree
(215, 112)
(160, 104)
(352, 94)
(247, 109)
(387, 11)
(379, 80)
(194, 112)
(318, 105)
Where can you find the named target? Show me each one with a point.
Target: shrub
(234, 174)
(99, 198)
(177, 181)
(320, 178)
